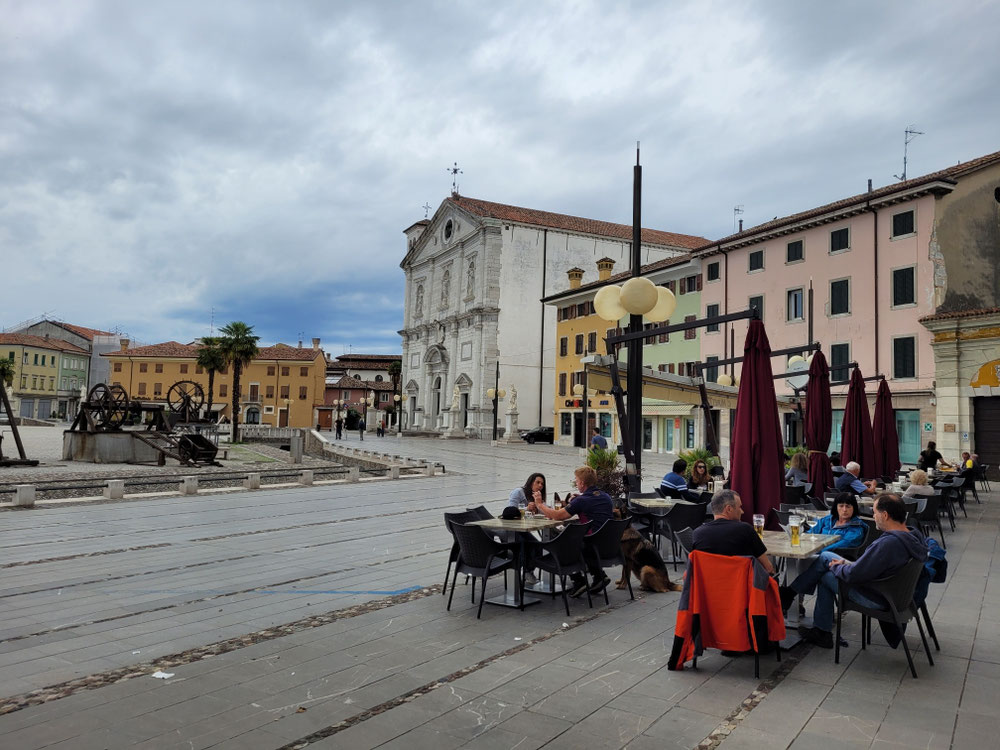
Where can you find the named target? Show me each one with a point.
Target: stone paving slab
(401, 671)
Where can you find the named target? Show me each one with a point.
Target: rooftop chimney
(124, 344)
(604, 267)
(315, 344)
(869, 184)
(300, 343)
(575, 277)
(741, 225)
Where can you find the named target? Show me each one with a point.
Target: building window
(198, 369)
(285, 371)
(689, 433)
(562, 384)
(690, 333)
(563, 346)
(304, 372)
(712, 311)
(713, 271)
(793, 309)
(284, 391)
(270, 370)
(902, 224)
(223, 390)
(711, 371)
(159, 368)
(757, 303)
(903, 286)
(592, 342)
(904, 357)
(794, 251)
(118, 366)
(157, 390)
(269, 391)
(184, 369)
(690, 284)
(840, 239)
(757, 260)
(840, 354)
(840, 297)
(143, 367)
(579, 343)
(378, 378)
(142, 389)
(303, 392)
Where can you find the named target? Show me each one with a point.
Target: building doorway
(987, 426)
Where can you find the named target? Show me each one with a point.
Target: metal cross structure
(908, 135)
(454, 171)
(427, 208)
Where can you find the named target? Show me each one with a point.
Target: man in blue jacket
(887, 554)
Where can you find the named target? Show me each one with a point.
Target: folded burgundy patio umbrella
(856, 432)
(758, 463)
(885, 437)
(819, 425)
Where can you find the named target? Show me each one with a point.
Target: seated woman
(699, 476)
(798, 472)
(532, 491)
(918, 490)
(844, 521)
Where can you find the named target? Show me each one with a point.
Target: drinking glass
(758, 524)
(795, 530)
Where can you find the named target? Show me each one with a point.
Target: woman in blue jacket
(844, 521)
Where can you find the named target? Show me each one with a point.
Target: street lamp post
(495, 394)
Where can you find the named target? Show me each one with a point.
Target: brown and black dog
(642, 559)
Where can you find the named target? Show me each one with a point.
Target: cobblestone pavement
(312, 618)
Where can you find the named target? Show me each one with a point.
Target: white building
(475, 276)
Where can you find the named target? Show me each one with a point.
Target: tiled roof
(87, 333)
(190, 351)
(962, 314)
(349, 381)
(949, 174)
(40, 342)
(488, 209)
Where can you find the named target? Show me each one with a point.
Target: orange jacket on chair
(722, 596)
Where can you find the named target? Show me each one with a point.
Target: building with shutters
(882, 264)
(49, 374)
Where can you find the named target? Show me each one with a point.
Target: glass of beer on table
(795, 530)
(758, 524)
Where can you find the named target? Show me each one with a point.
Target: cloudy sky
(161, 160)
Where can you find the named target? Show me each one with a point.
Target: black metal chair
(897, 590)
(563, 555)
(786, 507)
(794, 494)
(717, 471)
(481, 556)
(606, 545)
(683, 516)
(928, 518)
(984, 480)
(671, 493)
(685, 538)
(449, 519)
(481, 514)
(642, 517)
(659, 492)
(968, 485)
(819, 503)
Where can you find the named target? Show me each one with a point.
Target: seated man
(849, 481)
(593, 505)
(674, 480)
(884, 556)
(727, 534)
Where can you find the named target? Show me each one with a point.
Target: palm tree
(212, 359)
(239, 346)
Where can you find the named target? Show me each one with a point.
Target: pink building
(871, 261)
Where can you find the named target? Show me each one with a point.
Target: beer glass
(795, 530)
(758, 524)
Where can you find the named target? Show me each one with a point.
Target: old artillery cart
(171, 429)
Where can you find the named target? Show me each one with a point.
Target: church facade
(476, 273)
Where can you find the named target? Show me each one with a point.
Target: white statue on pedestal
(512, 404)
(454, 398)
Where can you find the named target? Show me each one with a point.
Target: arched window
(378, 378)
(253, 415)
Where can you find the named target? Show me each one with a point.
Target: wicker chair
(480, 556)
(606, 545)
(563, 555)
(449, 519)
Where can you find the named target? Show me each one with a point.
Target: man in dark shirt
(593, 505)
(726, 534)
(598, 441)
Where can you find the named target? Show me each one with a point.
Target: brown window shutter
(699, 282)
(683, 289)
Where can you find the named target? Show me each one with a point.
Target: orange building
(282, 387)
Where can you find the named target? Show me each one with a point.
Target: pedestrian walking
(361, 429)
(340, 428)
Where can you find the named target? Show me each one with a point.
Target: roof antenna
(737, 211)
(908, 135)
(211, 330)
(427, 208)
(455, 172)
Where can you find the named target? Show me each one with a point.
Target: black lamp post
(494, 394)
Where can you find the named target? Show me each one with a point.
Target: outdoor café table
(524, 525)
(779, 544)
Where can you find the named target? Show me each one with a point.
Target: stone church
(475, 275)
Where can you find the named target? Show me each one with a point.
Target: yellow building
(282, 387)
(40, 386)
